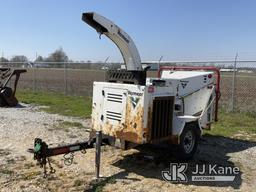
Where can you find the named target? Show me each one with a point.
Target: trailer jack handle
(42, 152)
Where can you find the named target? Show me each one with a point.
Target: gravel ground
(121, 170)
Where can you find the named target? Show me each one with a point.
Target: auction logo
(209, 172)
(176, 173)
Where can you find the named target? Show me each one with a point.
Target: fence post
(234, 85)
(34, 77)
(65, 79)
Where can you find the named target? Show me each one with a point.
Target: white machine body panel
(187, 82)
(125, 111)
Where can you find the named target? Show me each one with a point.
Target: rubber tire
(181, 153)
(2, 102)
(8, 99)
(6, 92)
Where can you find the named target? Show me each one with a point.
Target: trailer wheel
(188, 142)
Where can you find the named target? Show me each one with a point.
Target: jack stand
(97, 153)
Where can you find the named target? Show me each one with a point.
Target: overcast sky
(174, 29)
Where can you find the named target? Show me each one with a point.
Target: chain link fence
(239, 87)
(238, 79)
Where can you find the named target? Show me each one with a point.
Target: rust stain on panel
(132, 127)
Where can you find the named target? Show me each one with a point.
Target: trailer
(129, 109)
(7, 94)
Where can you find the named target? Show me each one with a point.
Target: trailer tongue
(42, 152)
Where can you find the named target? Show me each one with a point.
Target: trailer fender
(180, 122)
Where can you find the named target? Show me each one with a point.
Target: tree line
(58, 55)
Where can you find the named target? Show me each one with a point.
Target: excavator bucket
(7, 94)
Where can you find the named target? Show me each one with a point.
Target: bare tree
(39, 59)
(3, 60)
(58, 56)
(19, 58)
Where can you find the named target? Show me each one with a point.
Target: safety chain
(52, 170)
(68, 159)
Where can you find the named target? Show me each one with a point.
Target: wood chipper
(130, 109)
(7, 94)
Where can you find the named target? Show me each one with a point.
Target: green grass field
(240, 125)
(76, 106)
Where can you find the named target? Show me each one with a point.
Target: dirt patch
(132, 170)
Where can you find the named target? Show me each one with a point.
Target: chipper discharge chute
(7, 94)
(130, 109)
